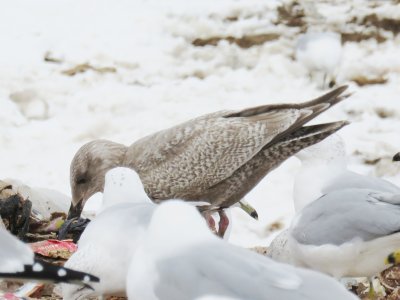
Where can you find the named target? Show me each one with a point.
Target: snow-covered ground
(143, 73)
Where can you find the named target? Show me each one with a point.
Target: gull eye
(81, 180)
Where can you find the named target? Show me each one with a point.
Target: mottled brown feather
(215, 158)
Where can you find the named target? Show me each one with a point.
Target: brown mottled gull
(216, 158)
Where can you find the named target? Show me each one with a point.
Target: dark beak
(75, 211)
(396, 157)
(391, 259)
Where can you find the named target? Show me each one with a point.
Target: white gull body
(14, 254)
(181, 259)
(347, 233)
(108, 243)
(346, 223)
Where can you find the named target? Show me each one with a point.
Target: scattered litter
(72, 229)
(40, 225)
(5, 190)
(44, 201)
(15, 213)
(27, 290)
(390, 278)
(54, 248)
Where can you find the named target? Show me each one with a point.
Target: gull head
(88, 169)
(123, 185)
(175, 225)
(393, 258)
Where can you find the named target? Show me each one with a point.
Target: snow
(161, 79)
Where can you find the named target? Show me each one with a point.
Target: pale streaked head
(88, 169)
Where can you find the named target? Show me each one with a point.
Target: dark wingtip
(396, 157)
(46, 272)
(254, 215)
(324, 130)
(340, 89)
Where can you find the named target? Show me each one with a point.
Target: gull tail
(327, 100)
(46, 272)
(309, 135)
(308, 110)
(312, 109)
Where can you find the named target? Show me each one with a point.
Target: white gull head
(320, 164)
(123, 185)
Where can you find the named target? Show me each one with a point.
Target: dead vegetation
(372, 27)
(358, 37)
(291, 15)
(384, 113)
(388, 24)
(245, 41)
(362, 80)
(275, 226)
(82, 68)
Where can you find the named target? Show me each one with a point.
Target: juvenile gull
(109, 241)
(17, 262)
(217, 158)
(181, 259)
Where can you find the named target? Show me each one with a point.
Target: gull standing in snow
(110, 240)
(17, 262)
(217, 158)
(320, 53)
(347, 232)
(346, 223)
(181, 259)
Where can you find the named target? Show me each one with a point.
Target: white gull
(180, 259)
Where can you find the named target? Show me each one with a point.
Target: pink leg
(223, 223)
(210, 222)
